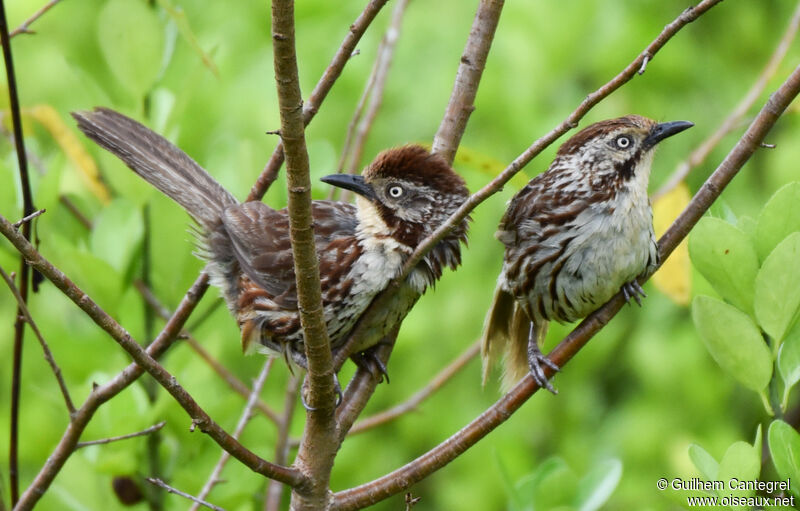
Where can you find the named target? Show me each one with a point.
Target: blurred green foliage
(630, 405)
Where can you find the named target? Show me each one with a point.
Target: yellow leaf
(48, 117)
(672, 278)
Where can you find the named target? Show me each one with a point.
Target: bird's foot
(371, 362)
(633, 290)
(536, 360)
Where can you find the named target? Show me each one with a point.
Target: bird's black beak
(664, 130)
(351, 182)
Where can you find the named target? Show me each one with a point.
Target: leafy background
(630, 404)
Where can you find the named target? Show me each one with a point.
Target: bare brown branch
(468, 77)
(151, 429)
(734, 119)
(404, 477)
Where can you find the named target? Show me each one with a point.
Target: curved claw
(535, 361)
(633, 290)
(336, 388)
(370, 361)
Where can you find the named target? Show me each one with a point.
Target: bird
(402, 197)
(574, 236)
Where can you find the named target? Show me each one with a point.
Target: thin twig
(143, 359)
(170, 489)
(28, 218)
(48, 355)
(404, 477)
(23, 28)
(421, 395)
(24, 272)
(244, 418)
(151, 429)
(468, 77)
(734, 119)
(228, 377)
(272, 502)
(383, 62)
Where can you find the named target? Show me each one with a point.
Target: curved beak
(664, 130)
(351, 182)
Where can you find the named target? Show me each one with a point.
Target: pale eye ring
(623, 141)
(395, 191)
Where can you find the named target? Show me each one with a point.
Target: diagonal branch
(144, 360)
(404, 477)
(24, 28)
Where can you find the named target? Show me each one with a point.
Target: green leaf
(734, 341)
(741, 461)
(597, 486)
(784, 447)
(726, 258)
(552, 484)
(132, 41)
(777, 296)
(117, 233)
(704, 462)
(779, 218)
(789, 360)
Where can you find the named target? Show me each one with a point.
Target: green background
(641, 392)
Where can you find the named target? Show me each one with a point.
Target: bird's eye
(395, 191)
(623, 141)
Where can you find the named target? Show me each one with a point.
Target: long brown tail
(159, 162)
(506, 331)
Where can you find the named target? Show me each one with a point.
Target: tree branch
(317, 450)
(468, 77)
(404, 477)
(144, 360)
(282, 445)
(151, 429)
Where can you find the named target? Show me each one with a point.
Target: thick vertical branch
(468, 77)
(317, 451)
(24, 272)
(406, 476)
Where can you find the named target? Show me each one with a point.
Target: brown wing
(260, 240)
